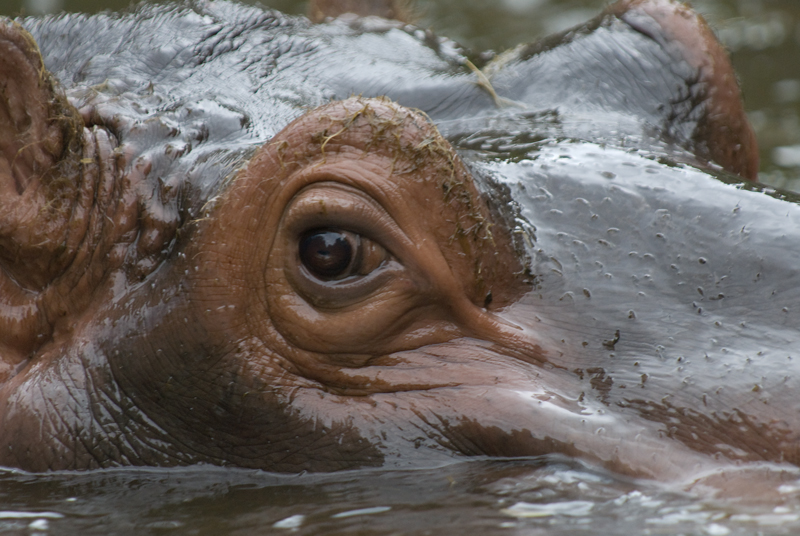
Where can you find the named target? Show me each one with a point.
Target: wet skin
(212, 253)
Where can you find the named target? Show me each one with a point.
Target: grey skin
(638, 311)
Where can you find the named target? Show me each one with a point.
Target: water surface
(552, 496)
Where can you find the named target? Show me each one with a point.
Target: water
(527, 497)
(518, 497)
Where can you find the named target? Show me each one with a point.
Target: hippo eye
(332, 254)
(327, 253)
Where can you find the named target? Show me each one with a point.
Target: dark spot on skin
(610, 343)
(600, 382)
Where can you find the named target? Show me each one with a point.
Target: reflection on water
(39, 7)
(550, 496)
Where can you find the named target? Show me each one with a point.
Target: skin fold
(560, 253)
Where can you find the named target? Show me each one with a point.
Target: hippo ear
(713, 102)
(654, 66)
(31, 114)
(40, 136)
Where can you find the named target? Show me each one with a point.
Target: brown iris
(328, 253)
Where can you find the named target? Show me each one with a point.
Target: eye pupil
(326, 253)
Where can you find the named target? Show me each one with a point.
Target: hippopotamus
(239, 238)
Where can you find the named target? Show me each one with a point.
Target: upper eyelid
(364, 216)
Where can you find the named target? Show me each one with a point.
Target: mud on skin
(212, 252)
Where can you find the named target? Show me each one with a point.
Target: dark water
(526, 497)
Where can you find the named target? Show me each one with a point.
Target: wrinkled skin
(583, 274)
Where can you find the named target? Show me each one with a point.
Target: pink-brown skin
(375, 169)
(415, 351)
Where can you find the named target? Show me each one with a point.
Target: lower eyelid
(340, 293)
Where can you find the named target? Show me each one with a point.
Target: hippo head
(344, 289)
